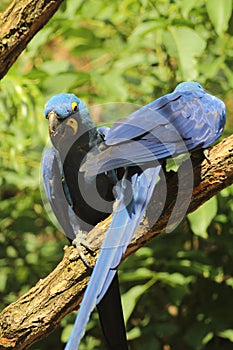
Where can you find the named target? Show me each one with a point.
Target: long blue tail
(119, 235)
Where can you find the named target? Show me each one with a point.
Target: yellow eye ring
(74, 106)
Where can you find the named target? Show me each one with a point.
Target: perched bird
(79, 205)
(185, 120)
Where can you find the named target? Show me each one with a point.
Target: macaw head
(61, 107)
(68, 118)
(191, 86)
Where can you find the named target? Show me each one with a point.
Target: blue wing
(190, 112)
(119, 235)
(171, 125)
(58, 193)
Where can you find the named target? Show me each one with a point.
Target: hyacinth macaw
(185, 120)
(73, 200)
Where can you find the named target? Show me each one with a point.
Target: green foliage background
(177, 291)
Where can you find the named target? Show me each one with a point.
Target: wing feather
(57, 192)
(173, 124)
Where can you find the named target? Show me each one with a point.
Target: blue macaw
(73, 200)
(185, 120)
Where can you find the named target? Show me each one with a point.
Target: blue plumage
(64, 105)
(187, 119)
(178, 122)
(58, 193)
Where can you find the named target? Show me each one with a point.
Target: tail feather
(119, 235)
(111, 318)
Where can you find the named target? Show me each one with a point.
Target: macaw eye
(74, 106)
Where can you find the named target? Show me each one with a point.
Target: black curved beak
(54, 121)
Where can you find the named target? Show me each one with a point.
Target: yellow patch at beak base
(73, 124)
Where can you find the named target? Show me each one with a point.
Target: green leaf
(112, 84)
(202, 217)
(173, 279)
(59, 83)
(185, 45)
(187, 6)
(134, 333)
(139, 274)
(55, 67)
(130, 298)
(66, 333)
(207, 338)
(147, 27)
(219, 13)
(3, 279)
(227, 333)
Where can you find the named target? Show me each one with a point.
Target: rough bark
(19, 23)
(37, 313)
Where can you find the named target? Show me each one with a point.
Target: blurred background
(177, 291)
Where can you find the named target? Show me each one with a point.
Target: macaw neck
(85, 195)
(79, 148)
(73, 139)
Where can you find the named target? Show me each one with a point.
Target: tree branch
(38, 312)
(19, 23)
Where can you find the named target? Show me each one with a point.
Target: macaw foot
(82, 245)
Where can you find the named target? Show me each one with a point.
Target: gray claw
(79, 242)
